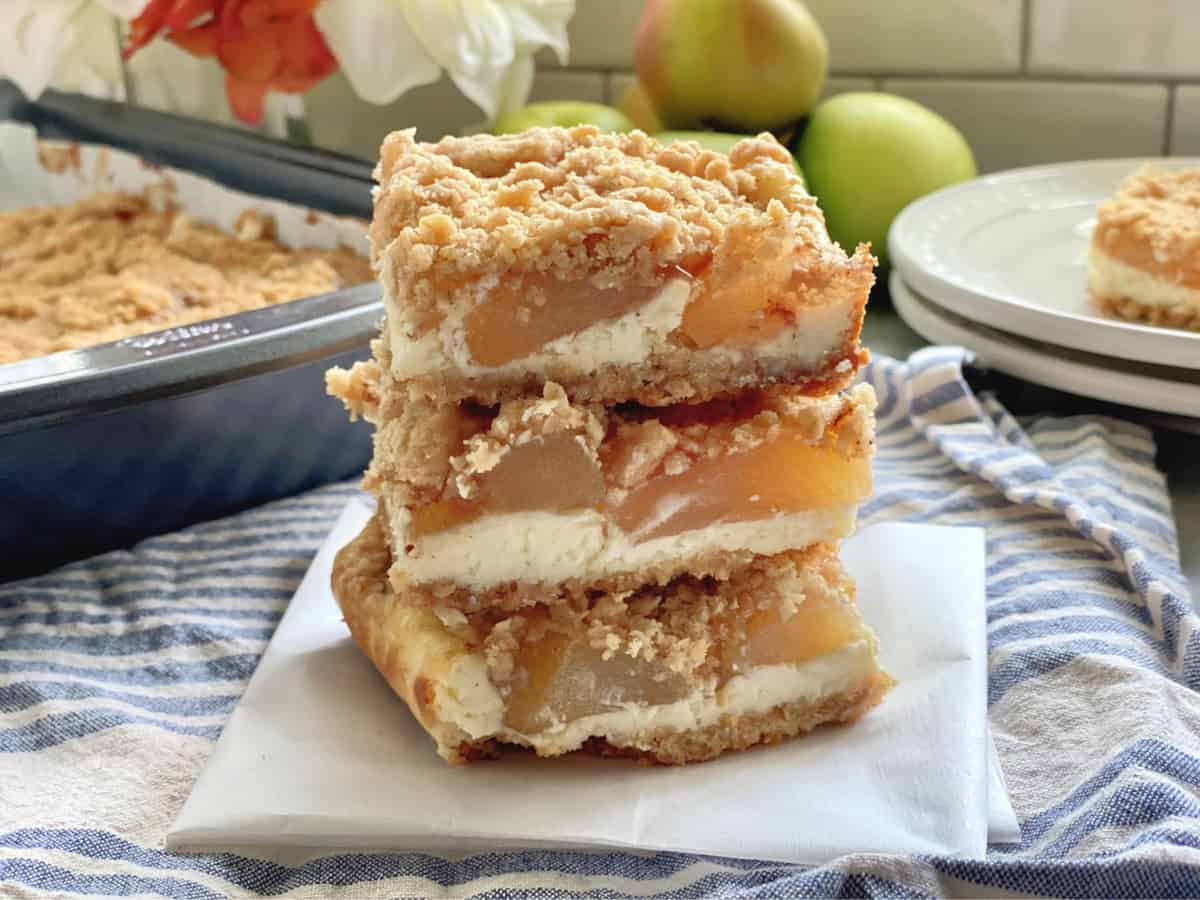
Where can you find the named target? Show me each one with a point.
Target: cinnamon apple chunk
(674, 673)
(551, 495)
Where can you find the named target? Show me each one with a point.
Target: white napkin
(321, 754)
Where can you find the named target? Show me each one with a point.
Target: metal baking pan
(103, 446)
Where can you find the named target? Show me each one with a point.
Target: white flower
(388, 47)
(70, 45)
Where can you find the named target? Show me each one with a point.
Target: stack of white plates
(998, 265)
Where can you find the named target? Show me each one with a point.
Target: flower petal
(541, 23)
(31, 45)
(91, 55)
(247, 99)
(470, 39)
(124, 9)
(484, 45)
(162, 76)
(376, 48)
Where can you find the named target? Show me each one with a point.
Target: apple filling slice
(523, 316)
(563, 678)
(547, 474)
(750, 290)
(567, 679)
(556, 474)
(786, 475)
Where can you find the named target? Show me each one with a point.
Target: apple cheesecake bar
(1144, 260)
(672, 673)
(619, 268)
(545, 497)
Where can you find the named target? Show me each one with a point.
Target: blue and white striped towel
(117, 674)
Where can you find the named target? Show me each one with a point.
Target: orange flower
(263, 45)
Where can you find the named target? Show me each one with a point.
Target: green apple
(719, 141)
(638, 108)
(563, 114)
(868, 155)
(749, 65)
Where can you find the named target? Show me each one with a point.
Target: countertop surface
(1178, 451)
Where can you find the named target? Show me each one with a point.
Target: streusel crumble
(114, 265)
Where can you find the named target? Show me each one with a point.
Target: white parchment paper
(321, 754)
(37, 172)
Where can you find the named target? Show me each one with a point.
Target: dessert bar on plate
(616, 444)
(673, 673)
(1144, 260)
(617, 267)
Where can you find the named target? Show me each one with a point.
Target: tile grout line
(959, 75)
(1169, 128)
(1026, 34)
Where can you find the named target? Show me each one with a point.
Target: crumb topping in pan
(117, 264)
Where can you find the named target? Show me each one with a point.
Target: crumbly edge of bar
(730, 732)
(575, 203)
(1152, 222)
(1179, 316)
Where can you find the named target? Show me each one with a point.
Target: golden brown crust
(670, 376)
(1177, 316)
(1152, 223)
(373, 617)
(115, 265)
(743, 732)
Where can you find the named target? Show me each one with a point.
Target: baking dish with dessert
(165, 321)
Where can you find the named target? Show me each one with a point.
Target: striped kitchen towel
(116, 675)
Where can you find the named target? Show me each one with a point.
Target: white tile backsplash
(1079, 79)
(1115, 37)
(1021, 123)
(921, 35)
(1185, 121)
(601, 33)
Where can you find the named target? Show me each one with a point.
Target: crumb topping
(116, 264)
(1153, 222)
(690, 626)
(616, 209)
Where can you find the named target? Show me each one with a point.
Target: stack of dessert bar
(615, 448)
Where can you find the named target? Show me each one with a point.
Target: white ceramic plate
(1010, 251)
(1158, 388)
